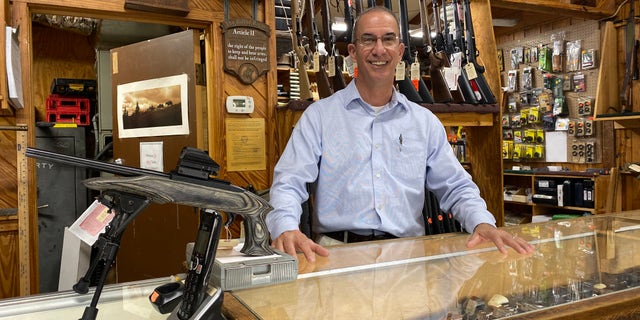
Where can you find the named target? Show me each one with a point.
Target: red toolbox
(68, 109)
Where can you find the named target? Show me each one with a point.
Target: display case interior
(577, 264)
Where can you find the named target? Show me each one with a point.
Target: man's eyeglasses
(389, 40)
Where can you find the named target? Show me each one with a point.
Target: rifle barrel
(91, 164)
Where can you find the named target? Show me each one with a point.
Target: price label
(400, 71)
(471, 71)
(331, 66)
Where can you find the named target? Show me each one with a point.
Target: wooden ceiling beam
(602, 8)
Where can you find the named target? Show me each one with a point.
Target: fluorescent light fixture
(415, 33)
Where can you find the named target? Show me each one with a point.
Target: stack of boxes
(70, 101)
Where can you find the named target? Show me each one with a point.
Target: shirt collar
(354, 100)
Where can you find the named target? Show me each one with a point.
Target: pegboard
(532, 40)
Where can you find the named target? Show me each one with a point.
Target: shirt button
(377, 175)
(379, 207)
(377, 146)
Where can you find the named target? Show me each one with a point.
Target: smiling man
(372, 155)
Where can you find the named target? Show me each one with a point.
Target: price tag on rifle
(316, 62)
(471, 71)
(331, 66)
(415, 74)
(400, 71)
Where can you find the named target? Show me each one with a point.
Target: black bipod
(126, 207)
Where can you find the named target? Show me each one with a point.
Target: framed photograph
(154, 107)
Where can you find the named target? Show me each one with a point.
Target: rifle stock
(439, 85)
(301, 54)
(626, 98)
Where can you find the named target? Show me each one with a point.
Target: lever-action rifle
(472, 54)
(420, 94)
(303, 84)
(311, 30)
(439, 85)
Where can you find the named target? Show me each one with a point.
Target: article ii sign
(246, 48)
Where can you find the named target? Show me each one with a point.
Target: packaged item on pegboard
(512, 80)
(588, 58)
(579, 82)
(558, 51)
(574, 53)
(545, 59)
(584, 106)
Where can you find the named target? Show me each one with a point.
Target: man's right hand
(294, 241)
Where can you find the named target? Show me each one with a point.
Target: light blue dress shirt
(371, 169)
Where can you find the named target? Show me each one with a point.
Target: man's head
(376, 46)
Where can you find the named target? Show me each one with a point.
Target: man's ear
(351, 48)
(401, 48)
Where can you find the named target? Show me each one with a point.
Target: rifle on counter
(299, 79)
(335, 61)
(472, 55)
(419, 93)
(435, 64)
(319, 59)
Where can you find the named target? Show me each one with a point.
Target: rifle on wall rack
(472, 55)
(300, 76)
(335, 61)
(419, 94)
(439, 44)
(318, 58)
(439, 85)
(456, 44)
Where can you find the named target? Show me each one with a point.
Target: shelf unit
(522, 207)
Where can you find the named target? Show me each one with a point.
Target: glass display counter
(584, 268)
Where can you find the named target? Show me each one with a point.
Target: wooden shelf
(621, 122)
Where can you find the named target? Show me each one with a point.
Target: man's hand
(486, 232)
(294, 241)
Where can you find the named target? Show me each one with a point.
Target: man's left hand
(486, 232)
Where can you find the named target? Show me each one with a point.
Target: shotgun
(335, 68)
(439, 85)
(472, 55)
(419, 94)
(303, 86)
(311, 30)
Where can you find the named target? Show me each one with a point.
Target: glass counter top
(577, 262)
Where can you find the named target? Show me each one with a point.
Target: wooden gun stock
(301, 54)
(338, 82)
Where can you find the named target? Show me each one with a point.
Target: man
(371, 153)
